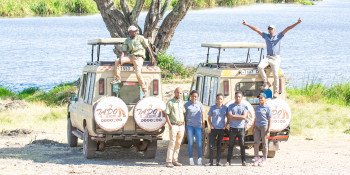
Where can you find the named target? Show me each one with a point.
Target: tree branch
(125, 9)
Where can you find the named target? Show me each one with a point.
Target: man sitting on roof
(135, 46)
(273, 52)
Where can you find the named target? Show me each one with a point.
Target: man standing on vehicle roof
(237, 113)
(273, 52)
(174, 114)
(135, 46)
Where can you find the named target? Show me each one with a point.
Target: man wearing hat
(273, 52)
(261, 129)
(135, 46)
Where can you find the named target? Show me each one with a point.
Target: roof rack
(224, 45)
(103, 41)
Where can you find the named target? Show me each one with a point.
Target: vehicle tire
(271, 154)
(89, 146)
(151, 150)
(205, 145)
(71, 138)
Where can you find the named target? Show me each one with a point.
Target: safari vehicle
(102, 114)
(229, 74)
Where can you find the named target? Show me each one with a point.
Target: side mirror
(72, 96)
(185, 96)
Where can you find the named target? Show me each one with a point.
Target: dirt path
(43, 153)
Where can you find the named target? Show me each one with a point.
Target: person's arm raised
(253, 28)
(292, 26)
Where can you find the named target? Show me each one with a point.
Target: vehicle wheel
(205, 144)
(151, 150)
(271, 154)
(71, 138)
(89, 146)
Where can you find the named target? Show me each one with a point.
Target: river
(46, 51)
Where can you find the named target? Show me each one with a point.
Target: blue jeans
(191, 133)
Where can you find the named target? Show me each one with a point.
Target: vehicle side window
(87, 88)
(199, 87)
(206, 90)
(91, 90)
(82, 87)
(213, 91)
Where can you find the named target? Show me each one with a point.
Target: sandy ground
(39, 152)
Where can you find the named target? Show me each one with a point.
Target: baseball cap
(262, 95)
(271, 26)
(132, 28)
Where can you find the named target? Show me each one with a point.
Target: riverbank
(59, 7)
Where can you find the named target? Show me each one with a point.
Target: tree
(159, 37)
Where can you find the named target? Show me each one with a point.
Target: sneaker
(200, 161)
(227, 164)
(209, 164)
(169, 165)
(256, 161)
(266, 87)
(191, 161)
(218, 164)
(115, 81)
(275, 95)
(263, 162)
(244, 163)
(177, 164)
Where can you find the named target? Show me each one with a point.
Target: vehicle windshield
(129, 92)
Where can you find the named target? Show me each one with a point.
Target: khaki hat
(132, 28)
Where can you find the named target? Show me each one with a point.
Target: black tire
(89, 146)
(71, 138)
(205, 144)
(151, 150)
(271, 154)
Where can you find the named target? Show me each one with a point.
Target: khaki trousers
(274, 62)
(260, 134)
(176, 135)
(137, 62)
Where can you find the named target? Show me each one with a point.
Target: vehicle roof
(106, 41)
(234, 45)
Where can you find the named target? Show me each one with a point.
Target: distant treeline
(57, 7)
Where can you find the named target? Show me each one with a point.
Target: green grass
(59, 7)
(59, 95)
(314, 91)
(172, 68)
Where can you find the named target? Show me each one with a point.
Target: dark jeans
(236, 132)
(215, 133)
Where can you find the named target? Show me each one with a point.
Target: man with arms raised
(273, 52)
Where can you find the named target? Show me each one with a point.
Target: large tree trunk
(117, 22)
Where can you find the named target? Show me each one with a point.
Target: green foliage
(59, 95)
(5, 92)
(46, 7)
(313, 91)
(172, 68)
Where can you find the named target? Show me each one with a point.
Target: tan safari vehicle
(230, 73)
(102, 114)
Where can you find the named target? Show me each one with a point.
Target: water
(46, 51)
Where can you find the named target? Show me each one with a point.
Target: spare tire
(149, 114)
(251, 113)
(281, 114)
(110, 114)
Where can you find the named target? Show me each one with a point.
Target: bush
(172, 68)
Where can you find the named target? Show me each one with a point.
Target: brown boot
(169, 165)
(177, 164)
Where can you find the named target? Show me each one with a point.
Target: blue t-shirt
(262, 114)
(218, 116)
(272, 43)
(237, 110)
(194, 113)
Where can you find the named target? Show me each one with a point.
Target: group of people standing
(189, 116)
